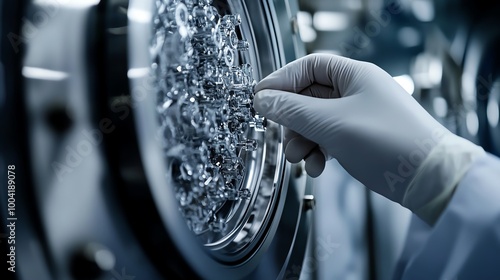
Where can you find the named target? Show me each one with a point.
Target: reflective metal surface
(208, 127)
(231, 226)
(102, 178)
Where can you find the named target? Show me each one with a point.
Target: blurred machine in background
(445, 53)
(442, 51)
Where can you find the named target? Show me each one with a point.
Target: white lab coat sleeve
(465, 241)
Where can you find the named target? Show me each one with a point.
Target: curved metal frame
(108, 195)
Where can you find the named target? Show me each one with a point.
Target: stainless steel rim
(266, 166)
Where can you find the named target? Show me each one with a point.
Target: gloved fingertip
(272, 81)
(298, 148)
(315, 163)
(259, 86)
(292, 158)
(261, 101)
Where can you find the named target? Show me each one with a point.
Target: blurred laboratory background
(84, 83)
(444, 53)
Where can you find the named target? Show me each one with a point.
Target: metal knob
(309, 202)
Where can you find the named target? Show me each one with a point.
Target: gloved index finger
(321, 69)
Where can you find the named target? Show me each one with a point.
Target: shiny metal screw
(309, 202)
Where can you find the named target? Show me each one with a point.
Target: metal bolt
(309, 202)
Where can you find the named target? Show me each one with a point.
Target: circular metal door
(143, 144)
(215, 168)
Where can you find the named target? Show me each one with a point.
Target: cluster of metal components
(204, 108)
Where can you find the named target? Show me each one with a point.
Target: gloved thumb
(294, 111)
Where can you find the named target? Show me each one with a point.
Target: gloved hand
(355, 112)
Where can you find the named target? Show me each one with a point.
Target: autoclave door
(147, 158)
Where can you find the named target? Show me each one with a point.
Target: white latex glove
(355, 112)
